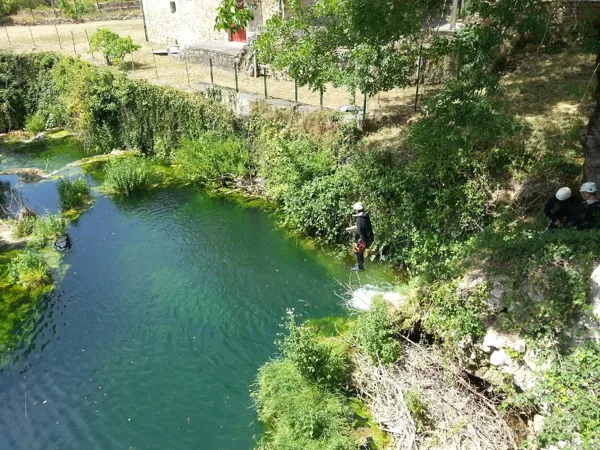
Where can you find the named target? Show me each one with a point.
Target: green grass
(72, 193)
(17, 305)
(29, 269)
(47, 228)
(128, 176)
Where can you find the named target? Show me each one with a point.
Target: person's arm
(577, 217)
(548, 208)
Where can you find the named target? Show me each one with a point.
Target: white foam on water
(362, 298)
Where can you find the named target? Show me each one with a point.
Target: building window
(173, 7)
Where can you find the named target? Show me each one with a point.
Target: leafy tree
(111, 45)
(234, 15)
(359, 44)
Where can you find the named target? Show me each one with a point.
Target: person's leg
(360, 257)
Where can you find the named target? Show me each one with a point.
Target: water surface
(152, 338)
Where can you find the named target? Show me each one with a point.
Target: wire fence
(74, 39)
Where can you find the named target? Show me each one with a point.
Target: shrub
(24, 227)
(320, 361)
(47, 228)
(570, 390)
(75, 10)
(29, 269)
(36, 123)
(212, 158)
(111, 45)
(299, 414)
(127, 176)
(373, 333)
(72, 193)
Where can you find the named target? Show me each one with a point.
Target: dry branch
(458, 416)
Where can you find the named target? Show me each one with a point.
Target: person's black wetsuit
(586, 216)
(560, 210)
(363, 237)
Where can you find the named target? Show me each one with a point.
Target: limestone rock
(496, 340)
(538, 423)
(494, 301)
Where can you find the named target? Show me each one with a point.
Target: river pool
(152, 337)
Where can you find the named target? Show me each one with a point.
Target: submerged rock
(62, 243)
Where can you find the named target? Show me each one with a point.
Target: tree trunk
(591, 137)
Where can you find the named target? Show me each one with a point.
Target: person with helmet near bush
(587, 214)
(559, 208)
(363, 235)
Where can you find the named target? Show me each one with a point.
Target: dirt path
(170, 71)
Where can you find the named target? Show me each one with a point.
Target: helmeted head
(564, 193)
(588, 187)
(358, 207)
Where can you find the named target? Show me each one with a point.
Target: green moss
(365, 426)
(330, 326)
(17, 306)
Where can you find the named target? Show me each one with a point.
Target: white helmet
(358, 206)
(589, 187)
(563, 193)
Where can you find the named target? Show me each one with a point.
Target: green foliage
(8, 7)
(47, 228)
(298, 414)
(75, 9)
(111, 45)
(35, 123)
(550, 273)
(72, 192)
(128, 176)
(418, 408)
(212, 158)
(320, 361)
(380, 42)
(374, 334)
(29, 269)
(232, 17)
(23, 227)
(570, 390)
(451, 318)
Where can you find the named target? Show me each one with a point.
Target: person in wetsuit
(559, 208)
(587, 214)
(363, 235)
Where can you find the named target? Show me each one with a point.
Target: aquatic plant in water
(47, 228)
(29, 269)
(129, 175)
(72, 193)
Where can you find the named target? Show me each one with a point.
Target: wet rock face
(62, 243)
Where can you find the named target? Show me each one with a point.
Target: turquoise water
(153, 337)
(50, 153)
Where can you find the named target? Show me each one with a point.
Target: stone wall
(192, 21)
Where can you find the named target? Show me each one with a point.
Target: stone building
(187, 22)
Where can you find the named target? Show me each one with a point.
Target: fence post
(154, 59)
(89, 44)
(186, 70)
(212, 80)
(265, 81)
(236, 76)
(7, 36)
(295, 90)
(73, 40)
(321, 96)
(59, 43)
(32, 15)
(31, 34)
(364, 107)
(419, 63)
